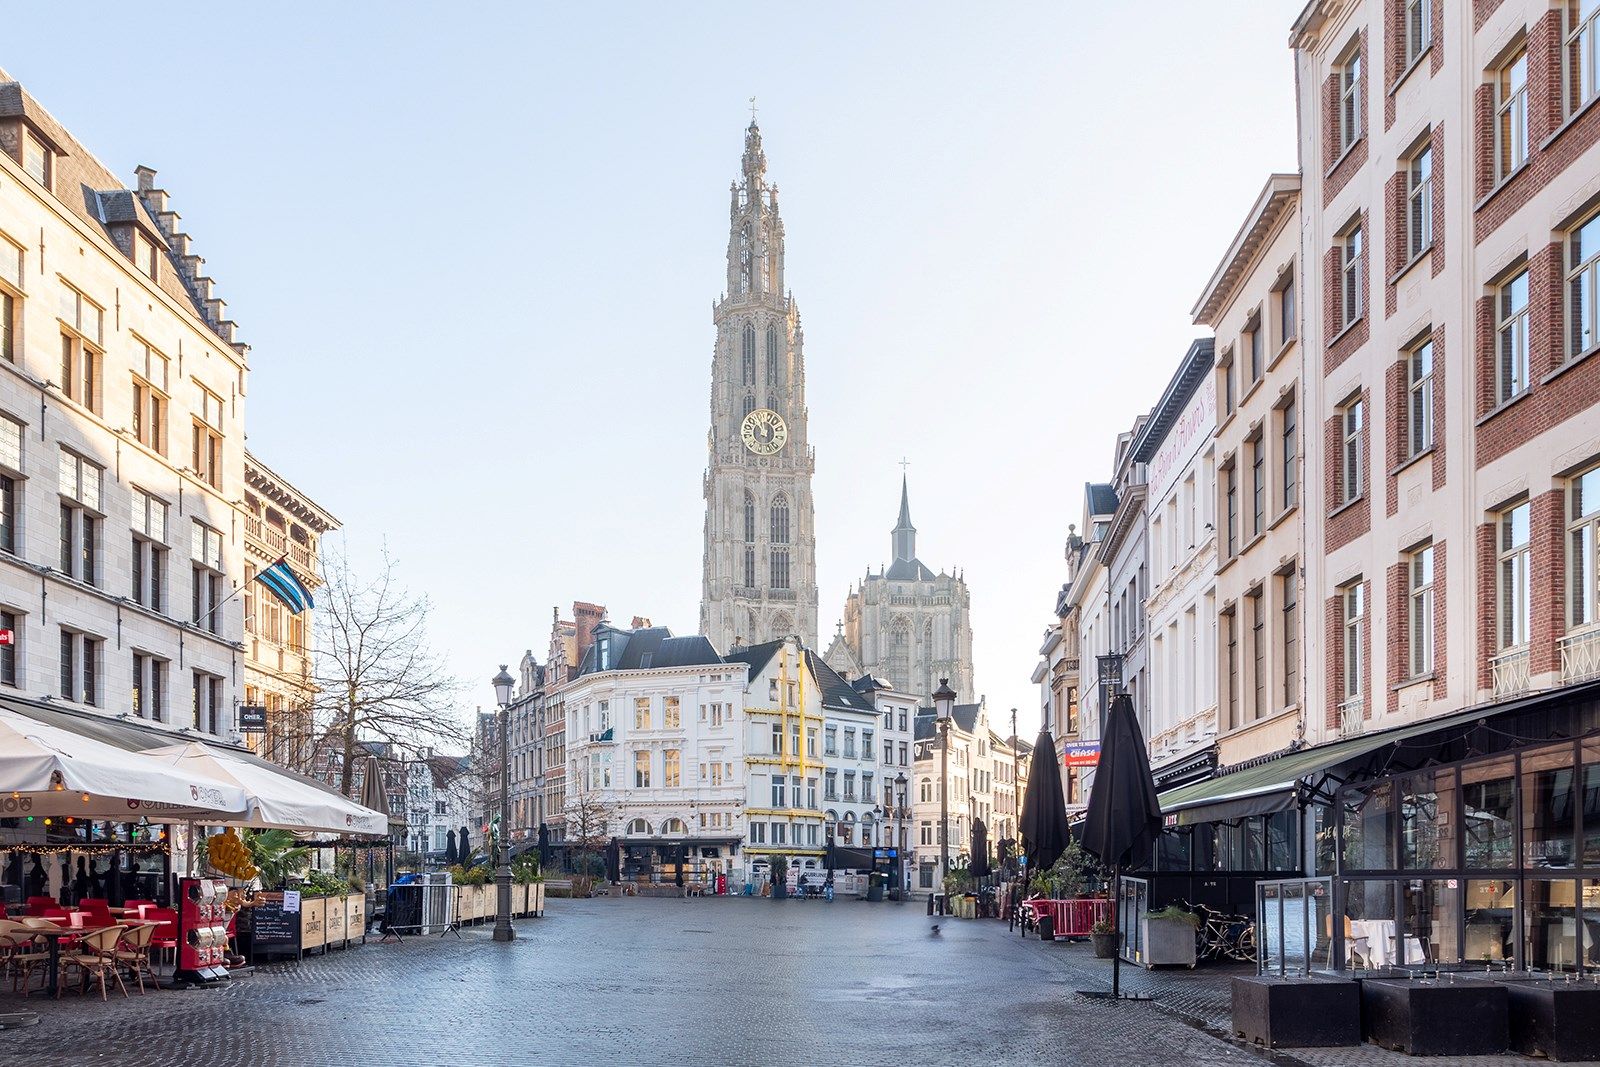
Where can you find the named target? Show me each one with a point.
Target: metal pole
(502, 874)
(944, 814)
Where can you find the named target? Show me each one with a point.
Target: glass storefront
(1493, 860)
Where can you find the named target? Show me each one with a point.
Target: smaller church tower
(906, 624)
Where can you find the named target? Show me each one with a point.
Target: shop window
(1427, 821)
(1591, 803)
(1489, 920)
(1549, 808)
(1369, 829)
(1369, 926)
(1432, 911)
(1488, 799)
(1550, 926)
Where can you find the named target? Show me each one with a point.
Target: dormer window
(144, 256)
(35, 159)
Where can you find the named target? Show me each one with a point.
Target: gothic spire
(904, 534)
(754, 162)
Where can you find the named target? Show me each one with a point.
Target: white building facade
(122, 397)
(1176, 444)
(655, 728)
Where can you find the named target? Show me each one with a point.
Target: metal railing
(1351, 710)
(1511, 672)
(1580, 655)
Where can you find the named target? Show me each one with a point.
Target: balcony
(1511, 673)
(1351, 715)
(1580, 656)
(278, 543)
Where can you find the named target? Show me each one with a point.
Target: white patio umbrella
(48, 770)
(276, 800)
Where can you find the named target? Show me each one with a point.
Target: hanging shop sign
(1080, 754)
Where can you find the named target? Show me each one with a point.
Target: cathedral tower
(760, 569)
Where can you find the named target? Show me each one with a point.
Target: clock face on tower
(764, 432)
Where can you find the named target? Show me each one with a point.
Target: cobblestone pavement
(659, 981)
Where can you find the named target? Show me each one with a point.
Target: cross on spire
(752, 111)
(904, 463)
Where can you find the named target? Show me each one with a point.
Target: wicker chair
(96, 956)
(133, 954)
(20, 953)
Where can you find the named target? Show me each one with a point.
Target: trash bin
(1047, 926)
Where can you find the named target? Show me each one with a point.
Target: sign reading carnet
(253, 717)
(1080, 754)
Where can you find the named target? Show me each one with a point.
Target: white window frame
(1419, 201)
(1354, 598)
(1513, 326)
(1513, 573)
(1419, 600)
(1419, 397)
(1580, 54)
(1418, 32)
(1583, 288)
(1352, 423)
(1352, 295)
(1583, 541)
(1350, 110)
(1511, 116)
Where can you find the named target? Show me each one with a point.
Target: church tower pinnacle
(904, 534)
(759, 565)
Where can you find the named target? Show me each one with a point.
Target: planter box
(1436, 1017)
(1558, 1020)
(1297, 1012)
(1167, 942)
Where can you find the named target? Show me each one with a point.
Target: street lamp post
(900, 851)
(503, 683)
(944, 705)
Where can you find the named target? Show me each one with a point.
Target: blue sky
(475, 247)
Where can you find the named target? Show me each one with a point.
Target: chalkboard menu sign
(273, 931)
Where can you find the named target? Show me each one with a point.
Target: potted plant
(1169, 936)
(1104, 938)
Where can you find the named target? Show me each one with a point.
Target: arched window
(780, 520)
(926, 792)
(749, 404)
(674, 826)
(781, 627)
(747, 356)
(772, 357)
(772, 402)
(638, 827)
(749, 545)
(900, 654)
(745, 253)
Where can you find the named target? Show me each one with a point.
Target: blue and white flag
(286, 587)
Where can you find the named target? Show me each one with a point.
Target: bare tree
(377, 677)
(590, 814)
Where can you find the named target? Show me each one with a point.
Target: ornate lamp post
(503, 684)
(944, 706)
(901, 814)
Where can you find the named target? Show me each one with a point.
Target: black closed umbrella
(1124, 815)
(450, 855)
(463, 848)
(679, 858)
(614, 860)
(1044, 808)
(544, 845)
(980, 850)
